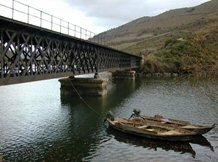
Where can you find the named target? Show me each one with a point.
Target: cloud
(101, 15)
(58, 8)
(111, 13)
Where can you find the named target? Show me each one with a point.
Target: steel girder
(29, 53)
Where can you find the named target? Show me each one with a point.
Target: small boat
(160, 120)
(157, 132)
(151, 144)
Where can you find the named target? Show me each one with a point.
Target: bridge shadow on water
(117, 92)
(86, 129)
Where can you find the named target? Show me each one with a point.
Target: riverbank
(174, 75)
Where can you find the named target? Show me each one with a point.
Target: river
(38, 124)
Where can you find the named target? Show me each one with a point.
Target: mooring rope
(81, 98)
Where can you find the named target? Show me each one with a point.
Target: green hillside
(194, 53)
(182, 40)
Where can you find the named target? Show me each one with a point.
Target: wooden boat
(160, 120)
(157, 132)
(151, 144)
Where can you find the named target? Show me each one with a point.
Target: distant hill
(183, 41)
(148, 33)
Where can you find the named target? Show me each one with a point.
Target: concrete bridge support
(84, 86)
(125, 75)
(96, 86)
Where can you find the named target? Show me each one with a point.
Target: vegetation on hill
(195, 54)
(182, 40)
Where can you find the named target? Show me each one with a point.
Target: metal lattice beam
(29, 53)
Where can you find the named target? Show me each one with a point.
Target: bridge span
(30, 53)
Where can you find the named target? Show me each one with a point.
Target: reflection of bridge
(29, 52)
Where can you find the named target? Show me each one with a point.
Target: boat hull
(143, 133)
(201, 130)
(198, 129)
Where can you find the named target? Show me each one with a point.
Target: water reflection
(117, 93)
(202, 141)
(43, 125)
(181, 147)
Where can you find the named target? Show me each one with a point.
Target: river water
(38, 124)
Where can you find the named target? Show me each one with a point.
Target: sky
(102, 15)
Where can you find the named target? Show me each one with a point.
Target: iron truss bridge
(29, 53)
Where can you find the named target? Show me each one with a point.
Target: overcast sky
(101, 15)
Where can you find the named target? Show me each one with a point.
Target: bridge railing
(30, 15)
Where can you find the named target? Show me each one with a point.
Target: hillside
(156, 29)
(194, 54)
(182, 40)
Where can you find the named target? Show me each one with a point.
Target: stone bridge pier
(124, 75)
(84, 86)
(95, 86)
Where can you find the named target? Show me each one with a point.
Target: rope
(84, 100)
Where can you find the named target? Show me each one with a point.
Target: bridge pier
(129, 75)
(84, 86)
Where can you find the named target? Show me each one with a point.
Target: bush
(196, 54)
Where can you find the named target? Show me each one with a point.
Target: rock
(166, 74)
(148, 75)
(174, 74)
(1, 157)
